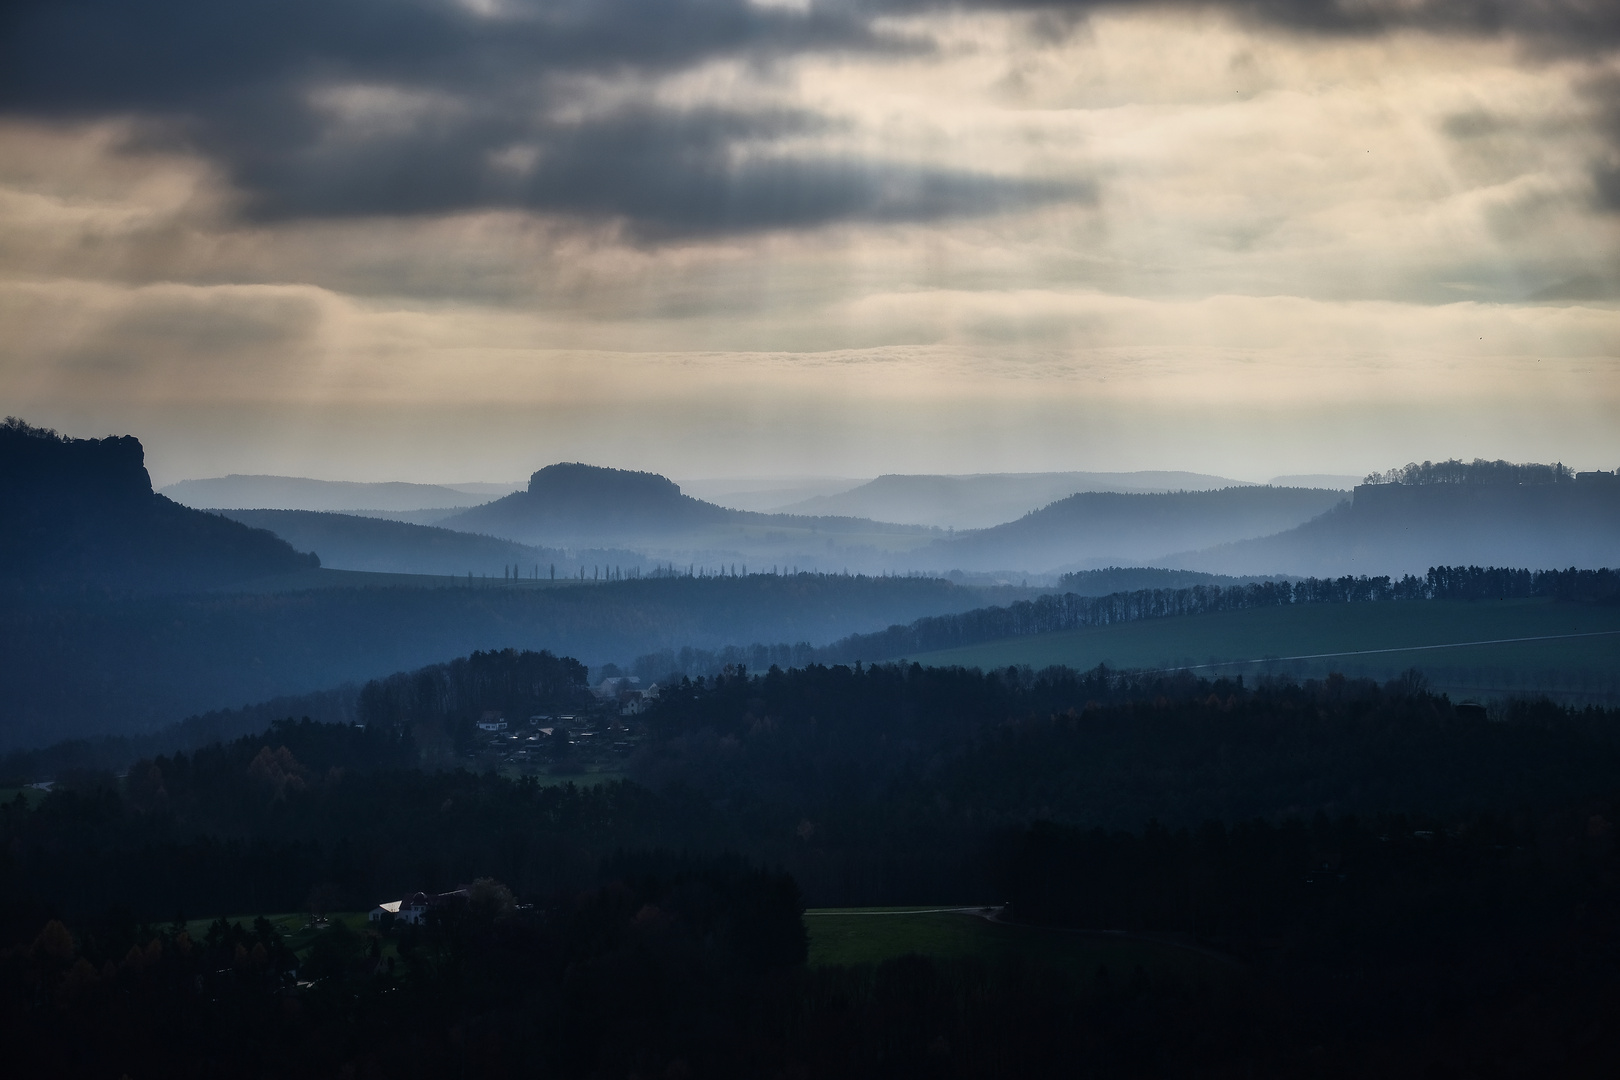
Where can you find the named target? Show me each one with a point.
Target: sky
(451, 240)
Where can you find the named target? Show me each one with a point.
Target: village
(592, 741)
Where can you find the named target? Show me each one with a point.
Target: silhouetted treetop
(1478, 472)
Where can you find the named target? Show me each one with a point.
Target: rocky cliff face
(41, 467)
(81, 512)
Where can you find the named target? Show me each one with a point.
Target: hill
(1485, 513)
(83, 665)
(81, 512)
(350, 542)
(766, 494)
(987, 499)
(572, 504)
(586, 506)
(1093, 529)
(237, 492)
(1576, 660)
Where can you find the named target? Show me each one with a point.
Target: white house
(415, 907)
(390, 907)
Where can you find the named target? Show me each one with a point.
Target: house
(492, 725)
(415, 907)
(389, 908)
(635, 702)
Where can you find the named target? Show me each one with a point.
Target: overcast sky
(448, 240)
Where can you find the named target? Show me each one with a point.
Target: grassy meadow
(1438, 637)
(848, 936)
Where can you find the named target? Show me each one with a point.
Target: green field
(872, 935)
(1257, 641)
(32, 795)
(850, 936)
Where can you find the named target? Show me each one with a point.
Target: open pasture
(848, 936)
(1470, 648)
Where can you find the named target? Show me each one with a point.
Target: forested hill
(1096, 528)
(572, 504)
(985, 500)
(1437, 514)
(81, 512)
(585, 506)
(1052, 613)
(237, 492)
(352, 542)
(85, 665)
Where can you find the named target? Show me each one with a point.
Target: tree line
(1402, 887)
(1069, 611)
(1477, 473)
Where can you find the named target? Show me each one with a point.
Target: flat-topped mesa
(574, 480)
(571, 504)
(1508, 487)
(81, 512)
(37, 463)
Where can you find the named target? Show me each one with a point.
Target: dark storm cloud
(239, 81)
(1561, 25)
(476, 118)
(76, 55)
(667, 173)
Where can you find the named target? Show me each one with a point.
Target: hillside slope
(351, 542)
(81, 512)
(988, 499)
(1401, 528)
(1094, 529)
(586, 506)
(572, 504)
(238, 492)
(81, 665)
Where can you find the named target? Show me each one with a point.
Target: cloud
(355, 108)
(1561, 25)
(360, 107)
(669, 173)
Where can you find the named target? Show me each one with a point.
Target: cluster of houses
(625, 691)
(413, 910)
(494, 722)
